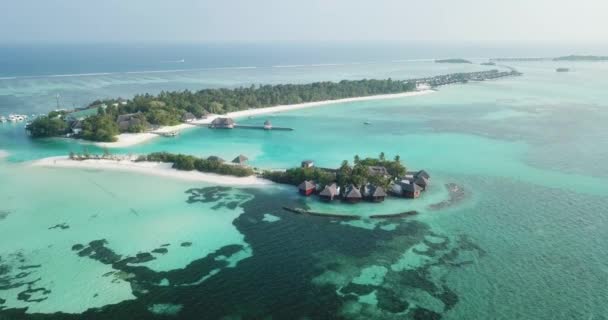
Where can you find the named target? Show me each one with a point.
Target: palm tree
(357, 159)
(397, 158)
(382, 156)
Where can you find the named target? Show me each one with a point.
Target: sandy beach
(150, 168)
(131, 139)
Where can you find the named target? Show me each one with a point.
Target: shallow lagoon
(526, 242)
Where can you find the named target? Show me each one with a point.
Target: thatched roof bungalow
(330, 192)
(307, 188)
(377, 171)
(125, 121)
(377, 194)
(352, 194)
(222, 123)
(240, 160)
(406, 189)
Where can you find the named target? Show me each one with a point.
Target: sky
(252, 21)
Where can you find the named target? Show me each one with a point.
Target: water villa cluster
(410, 186)
(368, 180)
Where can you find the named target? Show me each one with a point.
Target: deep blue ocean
(71, 59)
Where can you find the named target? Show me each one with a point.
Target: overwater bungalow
(406, 189)
(188, 117)
(330, 192)
(377, 194)
(308, 164)
(307, 188)
(267, 125)
(222, 123)
(352, 194)
(241, 160)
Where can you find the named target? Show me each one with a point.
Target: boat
(367, 123)
(3, 119)
(16, 117)
(562, 70)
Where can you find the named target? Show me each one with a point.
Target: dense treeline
(168, 108)
(189, 163)
(358, 174)
(46, 126)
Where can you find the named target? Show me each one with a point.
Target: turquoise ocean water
(526, 240)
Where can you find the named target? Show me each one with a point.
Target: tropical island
(581, 58)
(105, 120)
(371, 179)
(453, 60)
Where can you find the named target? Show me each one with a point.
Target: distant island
(104, 120)
(457, 60)
(562, 70)
(581, 58)
(489, 63)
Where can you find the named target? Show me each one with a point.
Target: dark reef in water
(278, 281)
(61, 226)
(457, 194)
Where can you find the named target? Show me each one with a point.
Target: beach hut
(307, 188)
(240, 160)
(267, 125)
(329, 193)
(216, 158)
(222, 123)
(308, 164)
(352, 194)
(188, 117)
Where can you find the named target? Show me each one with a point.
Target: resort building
(330, 192)
(125, 121)
(352, 194)
(406, 189)
(375, 193)
(377, 171)
(308, 164)
(307, 188)
(267, 125)
(188, 117)
(222, 123)
(240, 160)
(76, 127)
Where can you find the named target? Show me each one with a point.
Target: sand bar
(150, 168)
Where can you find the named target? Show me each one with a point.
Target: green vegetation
(190, 163)
(359, 174)
(44, 127)
(457, 60)
(167, 108)
(581, 58)
(100, 127)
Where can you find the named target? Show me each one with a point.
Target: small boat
(367, 123)
(2, 119)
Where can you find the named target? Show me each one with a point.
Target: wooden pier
(351, 217)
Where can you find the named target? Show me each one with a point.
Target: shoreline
(3, 154)
(131, 139)
(158, 169)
